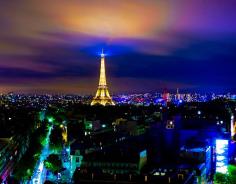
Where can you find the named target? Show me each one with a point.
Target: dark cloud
(55, 45)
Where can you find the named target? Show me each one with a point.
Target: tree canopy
(53, 163)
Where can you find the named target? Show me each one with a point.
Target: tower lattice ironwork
(102, 95)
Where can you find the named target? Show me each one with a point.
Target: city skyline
(53, 47)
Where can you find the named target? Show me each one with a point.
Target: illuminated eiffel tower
(102, 96)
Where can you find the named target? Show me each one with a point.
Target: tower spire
(102, 95)
(102, 55)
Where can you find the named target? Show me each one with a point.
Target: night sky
(53, 46)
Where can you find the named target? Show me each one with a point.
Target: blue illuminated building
(222, 150)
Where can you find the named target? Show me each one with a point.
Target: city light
(143, 153)
(232, 128)
(221, 154)
(51, 119)
(220, 158)
(157, 105)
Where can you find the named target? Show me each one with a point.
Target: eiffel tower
(102, 96)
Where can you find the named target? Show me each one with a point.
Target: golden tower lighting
(102, 96)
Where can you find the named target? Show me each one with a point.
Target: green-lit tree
(53, 163)
(55, 115)
(24, 168)
(220, 178)
(232, 173)
(229, 178)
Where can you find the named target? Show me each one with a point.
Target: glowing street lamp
(51, 119)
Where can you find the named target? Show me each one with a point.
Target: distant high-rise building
(102, 95)
(166, 96)
(177, 94)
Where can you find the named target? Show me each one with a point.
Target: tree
(234, 137)
(220, 178)
(56, 139)
(228, 178)
(48, 182)
(232, 173)
(53, 163)
(76, 176)
(24, 168)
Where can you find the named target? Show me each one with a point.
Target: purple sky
(53, 46)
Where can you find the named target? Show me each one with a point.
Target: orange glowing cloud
(116, 19)
(111, 20)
